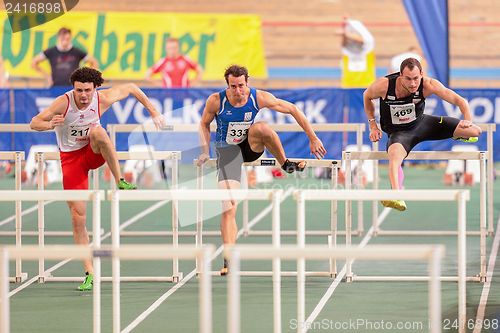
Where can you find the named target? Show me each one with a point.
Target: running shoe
(225, 268)
(472, 139)
(87, 283)
(124, 185)
(396, 204)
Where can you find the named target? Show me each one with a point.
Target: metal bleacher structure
(302, 47)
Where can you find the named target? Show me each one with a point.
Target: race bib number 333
(403, 114)
(237, 132)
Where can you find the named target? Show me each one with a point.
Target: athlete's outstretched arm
(433, 86)
(119, 92)
(266, 99)
(50, 117)
(209, 112)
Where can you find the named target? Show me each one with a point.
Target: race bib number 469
(237, 132)
(403, 114)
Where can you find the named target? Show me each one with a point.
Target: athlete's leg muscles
(472, 131)
(261, 136)
(397, 153)
(80, 235)
(228, 225)
(101, 144)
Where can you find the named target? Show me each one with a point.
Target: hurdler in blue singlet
(233, 122)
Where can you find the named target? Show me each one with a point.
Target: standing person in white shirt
(396, 61)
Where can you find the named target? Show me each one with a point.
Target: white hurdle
(334, 166)
(432, 254)
(17, 157)
(459, 196)
(193, 195)
(113, 129)
(490, 170)
(57, 195)
(432, 155)
(128, 252)
(174, 156)
(357, 128)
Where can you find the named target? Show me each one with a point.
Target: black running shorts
(428, 128)
(231, 157)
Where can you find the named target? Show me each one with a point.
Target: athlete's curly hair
(87, 74)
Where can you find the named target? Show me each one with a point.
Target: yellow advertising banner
(127, 44)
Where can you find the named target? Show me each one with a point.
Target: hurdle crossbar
(273, 162)
(130, 155)
(328, 127)
(432, 155)
(17, 128)
(127, 252)
(432, 254)
(459, 196)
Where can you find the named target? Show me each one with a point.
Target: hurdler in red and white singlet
(73, 139)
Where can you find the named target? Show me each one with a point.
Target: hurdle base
(177, 278)
(270, 273)
(19, 279)
(210, 233)
(423, 233)
(46, 233)
(122, 278)
(381, 278)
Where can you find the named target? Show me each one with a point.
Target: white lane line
(329, 292)
(188, 277)
(24, 212)
(489, 277)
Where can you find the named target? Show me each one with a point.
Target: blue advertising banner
(430, 23)
(5, 118)
(325, 105)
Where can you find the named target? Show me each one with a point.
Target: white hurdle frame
(432, 155)
(194, 195)
(174, 156)
(128, 252)
(56, 195)
(357, 128)
(334, 166)
(490, 171)
(433, 254)
(459, 196)
(17, 157)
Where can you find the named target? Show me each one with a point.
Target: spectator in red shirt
(175, 67)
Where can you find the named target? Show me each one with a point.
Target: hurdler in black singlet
(398, 114)
(403, 119)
